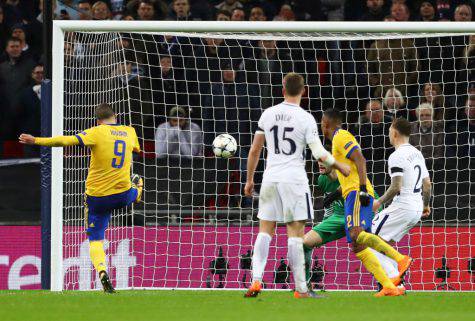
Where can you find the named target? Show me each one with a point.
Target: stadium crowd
(431, 87)
(182, 91)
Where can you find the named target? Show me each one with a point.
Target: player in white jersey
(285, 195)
(409, 176)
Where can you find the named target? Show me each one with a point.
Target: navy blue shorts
(98, 211)
(357, 215)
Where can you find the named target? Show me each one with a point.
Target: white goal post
(290, 31)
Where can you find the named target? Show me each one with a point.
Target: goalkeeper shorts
(98, 211)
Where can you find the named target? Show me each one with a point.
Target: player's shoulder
(343, 135)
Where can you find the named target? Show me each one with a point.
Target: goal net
(194, 228)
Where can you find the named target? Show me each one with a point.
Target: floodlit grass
(230, 305)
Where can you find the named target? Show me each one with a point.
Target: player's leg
(96, 225)
(358, 218)
(295, 254)
(330, 229)
(270, 211)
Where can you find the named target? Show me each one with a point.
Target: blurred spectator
(117, 8)
(392, 62)
(128, 17)
(257, 14)
(238, 15)
(39, 18)
(85, 10)
(230, 108)
(427, 135)
(461, 137)
(427, 11)
(267, 69)
(14, 76)
(18, 32)
(169, 87)
(389, 18)
(160, 8)
(223, 15)
(145, 10)
(100, 11)
(400, 11)
(334, 10)
(373, 130)
(463, 12)
(178, 136)
(12, 13)
(181, 11)
(30, 109)
(67, 8)
(3, 31)
(374, 11)
(229, 5)
(285, 14)
(432, 94)
(395, 104)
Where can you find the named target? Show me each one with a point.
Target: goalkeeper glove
(364, 196)
(330, 198)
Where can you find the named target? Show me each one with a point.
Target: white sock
(259, 257)
(388, 264)
(297, 263)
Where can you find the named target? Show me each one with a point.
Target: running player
(358, 193)
(285, 195)
(409, 176)
(108, 184)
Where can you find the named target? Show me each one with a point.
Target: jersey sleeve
(136, 148)
(345, 143)
(87, 137)
(395, 166)
(311, 131)
(261, 123)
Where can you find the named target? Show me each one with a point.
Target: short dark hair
(104, 111)
(293, 84)
(12, 39)
(402, 125)
(334, 115)
(223, 12)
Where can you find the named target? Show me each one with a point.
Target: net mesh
(194, 229)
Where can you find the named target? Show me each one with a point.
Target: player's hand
(376, 206)
(426, 212)
(330, 198)
(27, 139)
(249, 188)
(364, 196)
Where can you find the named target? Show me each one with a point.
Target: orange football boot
(404, 265)
(254, 290)
(391, 292)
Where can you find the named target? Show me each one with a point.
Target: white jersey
(288, 130)
(408, 162)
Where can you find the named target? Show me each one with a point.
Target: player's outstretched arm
(327, 159)
(252, 160)
(392, 191)
(57, 141)
(426, 195)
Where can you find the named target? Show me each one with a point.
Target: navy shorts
(98, 211)
(357, 215)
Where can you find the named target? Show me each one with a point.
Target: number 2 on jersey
(418, 189)
(293, 146)
(119, 151)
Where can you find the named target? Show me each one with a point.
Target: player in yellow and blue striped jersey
(358, 193)
(108, 184)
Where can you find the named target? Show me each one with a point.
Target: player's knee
(357, 247)
(96, 233)
(312, 239)
(354, 233)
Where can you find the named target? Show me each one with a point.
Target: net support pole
(57, 272)
(46, 187)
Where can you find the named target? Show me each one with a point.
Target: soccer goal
(194, 229)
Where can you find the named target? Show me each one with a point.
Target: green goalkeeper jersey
(327, 186)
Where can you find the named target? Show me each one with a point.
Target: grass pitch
(230, 306)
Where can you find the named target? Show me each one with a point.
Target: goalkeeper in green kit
(332, 227)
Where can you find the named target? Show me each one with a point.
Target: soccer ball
(224, 146)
